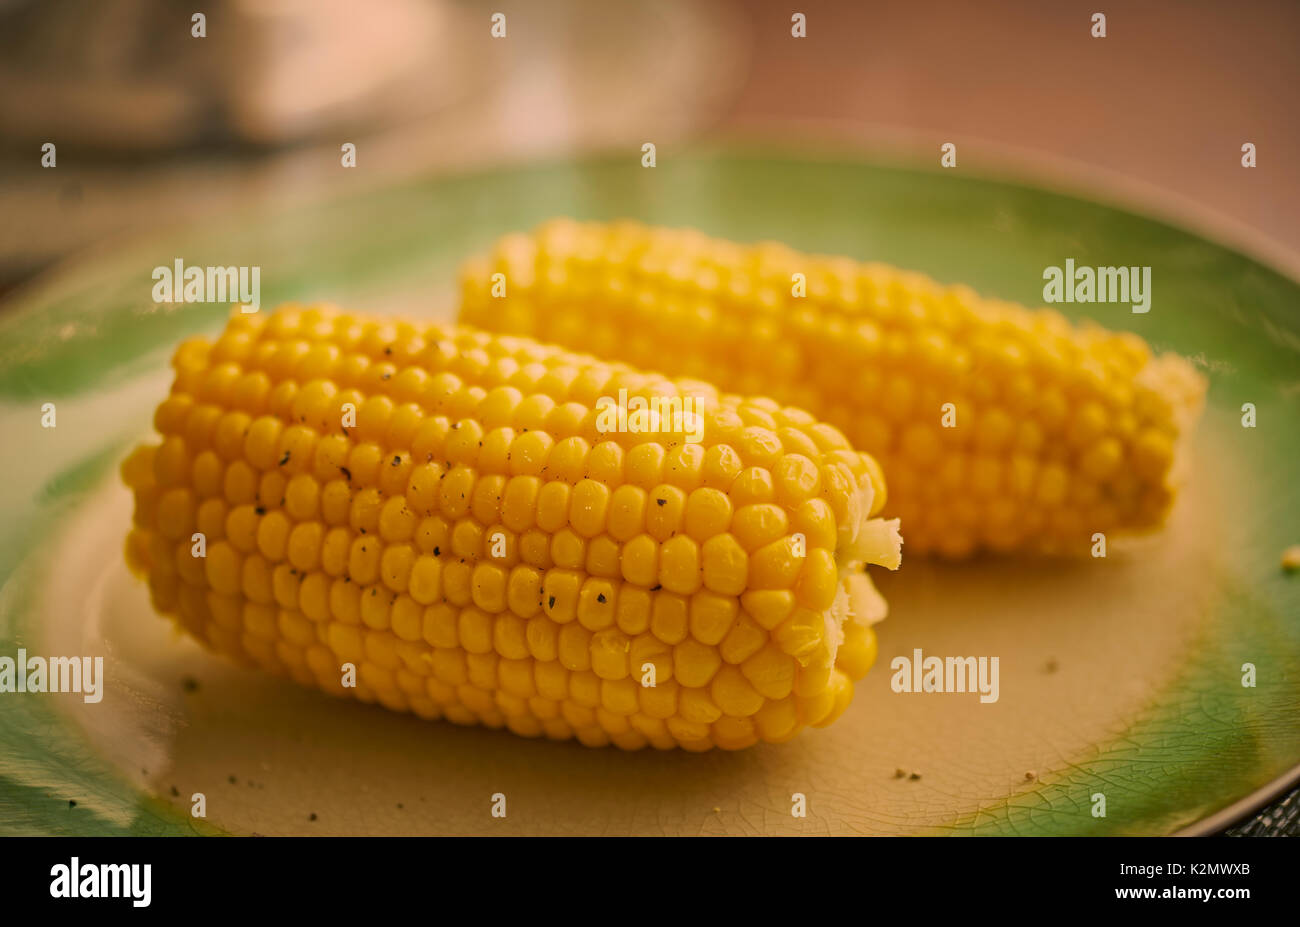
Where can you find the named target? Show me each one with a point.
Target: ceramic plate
(1121, 677)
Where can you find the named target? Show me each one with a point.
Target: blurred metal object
(146, 118)
(130, 75)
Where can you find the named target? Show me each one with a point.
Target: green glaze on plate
(1119, 677)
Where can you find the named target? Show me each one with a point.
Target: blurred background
(154, 126)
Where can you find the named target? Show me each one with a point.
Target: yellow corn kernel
(480, 549)
(1001, 428)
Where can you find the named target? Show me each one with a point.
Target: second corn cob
(480, 545)
(999, 428)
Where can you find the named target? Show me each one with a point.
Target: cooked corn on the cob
(482, 546)
(999, 428)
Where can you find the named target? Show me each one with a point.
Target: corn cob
(1000, 428)
(482, 546)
